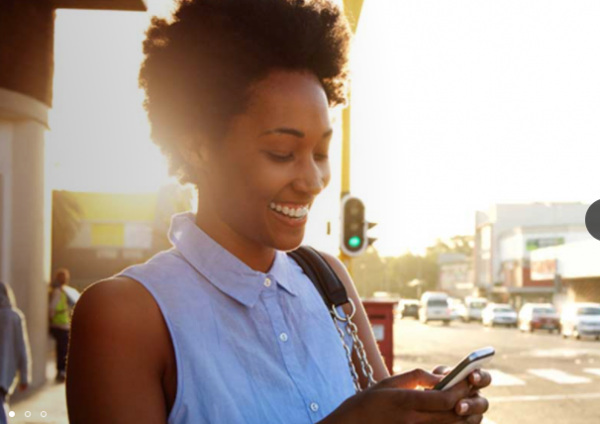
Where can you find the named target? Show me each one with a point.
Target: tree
(456, 244)
(368, 273)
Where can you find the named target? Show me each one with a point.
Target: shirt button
(267, 282)
(283, 337)
(314, 407)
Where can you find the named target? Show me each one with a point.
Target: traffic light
(353, 226)
(371, 240)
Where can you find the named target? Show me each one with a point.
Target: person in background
(14, 349)
(62, 301)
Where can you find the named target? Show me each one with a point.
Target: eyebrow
(293, 132)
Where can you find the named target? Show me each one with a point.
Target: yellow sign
(112, 235)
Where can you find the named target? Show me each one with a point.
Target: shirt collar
(220, 267)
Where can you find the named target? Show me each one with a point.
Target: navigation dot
(11, 414)
(592, 220)
(43, 414)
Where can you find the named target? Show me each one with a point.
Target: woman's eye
(321, 157)
(278, 157)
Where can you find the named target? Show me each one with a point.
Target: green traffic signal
(354, 241)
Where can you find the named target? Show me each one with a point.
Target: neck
(257, 257)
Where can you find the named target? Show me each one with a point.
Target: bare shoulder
(117, 308)
(118, 352)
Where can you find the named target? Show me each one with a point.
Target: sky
(456, 105)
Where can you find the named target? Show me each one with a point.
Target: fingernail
(476, 377)
(463, 408)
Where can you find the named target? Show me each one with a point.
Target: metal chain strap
(367, 369)
(352, 330)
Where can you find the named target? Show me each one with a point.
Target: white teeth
(300, 212)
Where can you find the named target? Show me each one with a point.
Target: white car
(474, 306)
(499, 314)
(457, 309)
(538, 316)
(435, 307)
(581, 319)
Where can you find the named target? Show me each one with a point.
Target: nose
(311, 179)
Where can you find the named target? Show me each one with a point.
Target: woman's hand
(474, 404)
(397, 400)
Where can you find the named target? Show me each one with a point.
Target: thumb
(416, 378)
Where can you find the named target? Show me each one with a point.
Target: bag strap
(324, 278)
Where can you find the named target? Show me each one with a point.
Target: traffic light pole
(347, 260)
(352, 8)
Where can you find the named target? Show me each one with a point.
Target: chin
(288, 243)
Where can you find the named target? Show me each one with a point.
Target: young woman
(15, 357)
(225, 327)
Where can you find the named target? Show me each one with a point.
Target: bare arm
(361, 320)
(117, 356)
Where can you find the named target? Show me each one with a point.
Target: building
(115, 231)
(505, 237)
(27, 57)
(574, 269)
(456, 274)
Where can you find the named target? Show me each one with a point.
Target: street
(537, 378)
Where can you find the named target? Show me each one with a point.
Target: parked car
(538, 316)
(457, 309)
(581, 319)
(409, 308)
(435, 307)
(473, 308)
(499, 314)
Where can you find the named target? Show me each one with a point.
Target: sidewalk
(50, 398)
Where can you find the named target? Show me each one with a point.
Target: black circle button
(592, 219)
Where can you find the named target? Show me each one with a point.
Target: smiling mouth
(295, 212)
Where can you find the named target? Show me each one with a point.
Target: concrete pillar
(25, 216)
(26, 71)
(27, 63)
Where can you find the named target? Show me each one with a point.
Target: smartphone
(472, 362)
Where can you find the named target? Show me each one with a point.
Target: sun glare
(100, 138)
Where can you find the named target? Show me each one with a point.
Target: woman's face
(272, 163)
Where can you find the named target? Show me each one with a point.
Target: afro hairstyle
(199, 66)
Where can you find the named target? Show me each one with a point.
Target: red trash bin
(381, 316)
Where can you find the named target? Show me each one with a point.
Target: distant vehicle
(435, 307)
(581, 319)
(538, 316)
(499, 314)
(473, 308)
(457, 309)
(409, 308)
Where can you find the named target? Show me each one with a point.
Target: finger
(438, 418)
(474, 419)
(441, 370)
(433, 400)
(410, 380)
(480, 379)
(475, 405)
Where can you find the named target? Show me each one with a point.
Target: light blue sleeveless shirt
(251, 348)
